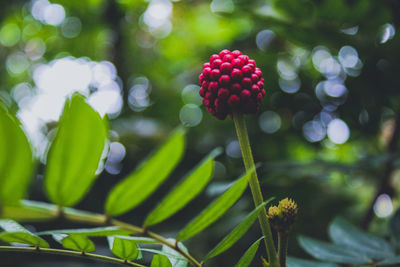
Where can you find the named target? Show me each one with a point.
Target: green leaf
(147, 177)
(160, 261)
(185, 191)
(75, 242)
(75, 153)
(236, 233)
(248, 256)
(16, 159)
(330, 252)
(390, 261)
(15, 233)
(123, 248)
(216, 209)
(138, 239)
(97, 231)
(347, 235)
(167, 254)
(174, 257)
(394, 228)
(294, 262)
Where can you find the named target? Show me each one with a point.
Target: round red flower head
(231, 81)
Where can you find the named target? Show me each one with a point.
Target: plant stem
(248, 160)
(100, 219)
(70, 253)
(282, 247)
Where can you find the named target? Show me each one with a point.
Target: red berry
(226, 67)
(201, 77)
(224, 52)
(236, 88)
(202, 92)
(237, 63)
(255, 88)
(223, 93)
(206, 65)
(246, 82)
(231, 82)
(254, 78)
(224, 80)
(245, 94)
(236, 53)
(244, 59)
(213, 87)
(216, 63)
(251, 62)
(215, 73)
(214, 57)
(247, 71)
(236, 74)
(207, 72)
(228, 58)
(234, 101)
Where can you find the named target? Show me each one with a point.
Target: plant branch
(248, 160)
(282, 247)
(100, 219)
(384, 184)
(70, 253)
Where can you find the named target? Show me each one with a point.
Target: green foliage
(173, 256)
(160, 261)
(216, 209)
(14, 232)
(136, 187)
(236, 233)
(248, 256)
(75, 242)
(294, 262)
(125, 249)
(350, 246)
(16, 159)
(182, 194)
(75, 153)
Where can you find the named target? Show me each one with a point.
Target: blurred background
(326, 135)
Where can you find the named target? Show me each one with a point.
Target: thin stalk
(70, 253)
(282, 247)
(248, 160)
(100, 219)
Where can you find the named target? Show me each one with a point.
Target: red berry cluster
(231, 82)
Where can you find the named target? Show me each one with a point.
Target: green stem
(248, 160)
(100, 219)
(282, 247)
(70, 253)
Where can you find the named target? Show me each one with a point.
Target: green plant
(351, 246)
(73, 163)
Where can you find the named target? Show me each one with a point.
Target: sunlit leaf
(174, 257)
(236, 233)
(16, 159)
(248, 256)
(123, 248)
(15, 233)
(294, 262)
(347, 235)
(147, 177)
(75, 153)
(160, 261)
(75, 242)
(97, 231)
(185, 191)
(216, 209)
(331, 252)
